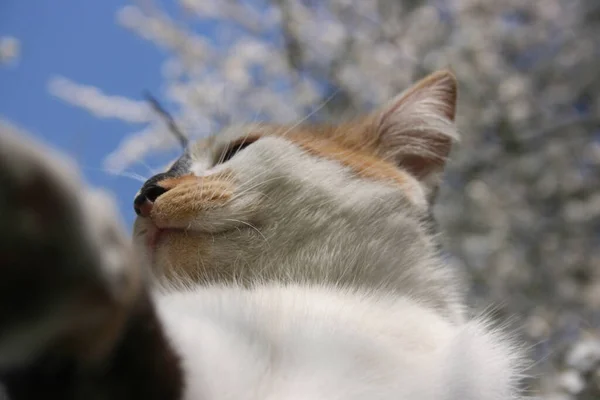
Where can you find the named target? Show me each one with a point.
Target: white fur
(313, 342)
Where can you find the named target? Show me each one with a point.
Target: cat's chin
(148, 238)
(163, 248)
(155, 236)
(175, 252)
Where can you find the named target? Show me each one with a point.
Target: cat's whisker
(255, 177)
(245, 185)
(223, 153)
(250, 226)
(247, 189)
(124, 174)
(241, 146)
(131, 175)
(310, 114)
(151, 170)
(200, 259)
(141, 232)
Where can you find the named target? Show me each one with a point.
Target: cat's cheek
(181, 254)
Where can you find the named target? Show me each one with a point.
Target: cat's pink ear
(416, 129)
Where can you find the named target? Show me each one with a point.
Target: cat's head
(260, 198)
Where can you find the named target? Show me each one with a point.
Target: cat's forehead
(349, 135)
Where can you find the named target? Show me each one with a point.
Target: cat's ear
(416, 129)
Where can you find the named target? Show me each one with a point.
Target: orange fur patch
(170, 183)
(188, 196)
(353, 144)
(362, 163)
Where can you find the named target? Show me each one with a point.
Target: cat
(268, 262)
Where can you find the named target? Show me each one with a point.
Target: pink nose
(145, 200)
(145, 208)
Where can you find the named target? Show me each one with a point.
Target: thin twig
(168, 119)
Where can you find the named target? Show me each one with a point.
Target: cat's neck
(393, 254)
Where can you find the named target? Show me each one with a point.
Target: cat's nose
(145, 200)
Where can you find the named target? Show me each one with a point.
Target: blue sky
(82, 41)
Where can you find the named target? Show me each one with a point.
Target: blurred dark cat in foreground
(287, 262)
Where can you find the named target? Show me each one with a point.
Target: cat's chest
(300, 343)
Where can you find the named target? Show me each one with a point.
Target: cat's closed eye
(230, 150)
